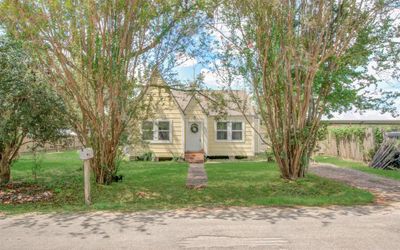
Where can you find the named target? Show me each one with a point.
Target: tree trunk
(291, 165)
(103, 170)
(104, 161)
(5, 172)
(293, 161)
(8, 153)
(5, 164)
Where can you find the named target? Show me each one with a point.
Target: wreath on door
(194, 128)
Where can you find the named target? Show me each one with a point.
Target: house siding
(231, 148)
(166, 108)
(169, 111)
(262, 130)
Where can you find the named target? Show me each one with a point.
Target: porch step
(194, 157)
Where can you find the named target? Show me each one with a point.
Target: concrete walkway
(197, 176)
(386, 190)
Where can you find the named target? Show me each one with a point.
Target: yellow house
(184, 124)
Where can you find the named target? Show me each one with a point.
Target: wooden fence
(348, 148)
(69, 143)
(353, 148)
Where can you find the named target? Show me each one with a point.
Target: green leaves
(101, 57)
(347, 133)
(27, 106)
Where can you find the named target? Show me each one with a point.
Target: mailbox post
(86, 154)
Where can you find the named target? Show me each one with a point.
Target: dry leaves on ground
(19, 193)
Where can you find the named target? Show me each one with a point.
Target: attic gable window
(229, 131)
(157, 131)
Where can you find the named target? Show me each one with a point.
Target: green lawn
(161, 185)
(393, 174)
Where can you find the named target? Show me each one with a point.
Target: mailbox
(86, 153)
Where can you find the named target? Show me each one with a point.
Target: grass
(161, 185)
(393, 174)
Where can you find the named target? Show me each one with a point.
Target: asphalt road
(360, 227)
(366, 227)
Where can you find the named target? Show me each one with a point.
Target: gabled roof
(182, 98)
(204, 99)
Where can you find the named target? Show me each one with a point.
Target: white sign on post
(86, 154)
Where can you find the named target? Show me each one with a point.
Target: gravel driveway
(385, 189)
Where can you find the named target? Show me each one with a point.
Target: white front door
(193, 136)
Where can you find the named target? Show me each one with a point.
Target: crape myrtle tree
(102, 56)
(305, 59)
(29, 110)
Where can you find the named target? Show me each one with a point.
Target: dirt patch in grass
(147, 195)
(20, 193)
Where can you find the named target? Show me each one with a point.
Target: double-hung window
(156, 131)
(163, 133)
(147, 130)
(230, 131)
(237, 131)
(222, 131)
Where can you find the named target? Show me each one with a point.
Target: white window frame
(229, 130)
(155, 131)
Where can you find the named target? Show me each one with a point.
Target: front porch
(194, 157)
